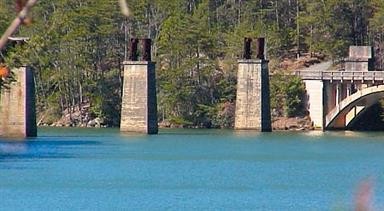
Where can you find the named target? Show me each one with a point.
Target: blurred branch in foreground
(124, 8)
(23, 15)
(364, 196)
(16, 22)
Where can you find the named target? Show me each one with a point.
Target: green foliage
(6, 15)
(287, 95)
(180, 121)
(76, 48)
(294, 102)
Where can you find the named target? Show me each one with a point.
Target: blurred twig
(16, 23)
(23, 13)
(364, 196)
(124, 8)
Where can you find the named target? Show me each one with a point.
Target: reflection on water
(247, 133)
(66, 169)
(12, 148)
(364, 195)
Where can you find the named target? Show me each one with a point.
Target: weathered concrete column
(315, 102)
(17, 106)
(361, 58)
(252, 101)
(139, 104)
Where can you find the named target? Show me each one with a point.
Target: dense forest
(77, 48)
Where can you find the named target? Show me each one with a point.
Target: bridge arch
(360, 101)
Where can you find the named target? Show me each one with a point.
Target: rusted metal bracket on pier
(140, 49)
(251, 46)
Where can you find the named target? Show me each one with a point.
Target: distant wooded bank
(77, 48)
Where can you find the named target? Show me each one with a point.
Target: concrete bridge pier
(323, 96)
(252, 101)
(139, 103)
(315, 101)
(17, 106)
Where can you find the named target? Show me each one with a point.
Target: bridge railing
(341, 75)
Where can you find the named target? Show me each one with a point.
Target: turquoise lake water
(103, 169)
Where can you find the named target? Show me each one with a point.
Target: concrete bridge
(335, 99)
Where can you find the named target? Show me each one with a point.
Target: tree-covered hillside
(77, 48)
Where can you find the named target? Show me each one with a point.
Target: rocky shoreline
(74, 117)
(83, 117)
(292, 124)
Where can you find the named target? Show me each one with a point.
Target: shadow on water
(59, 143)
(33, 149)
(76, 132)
